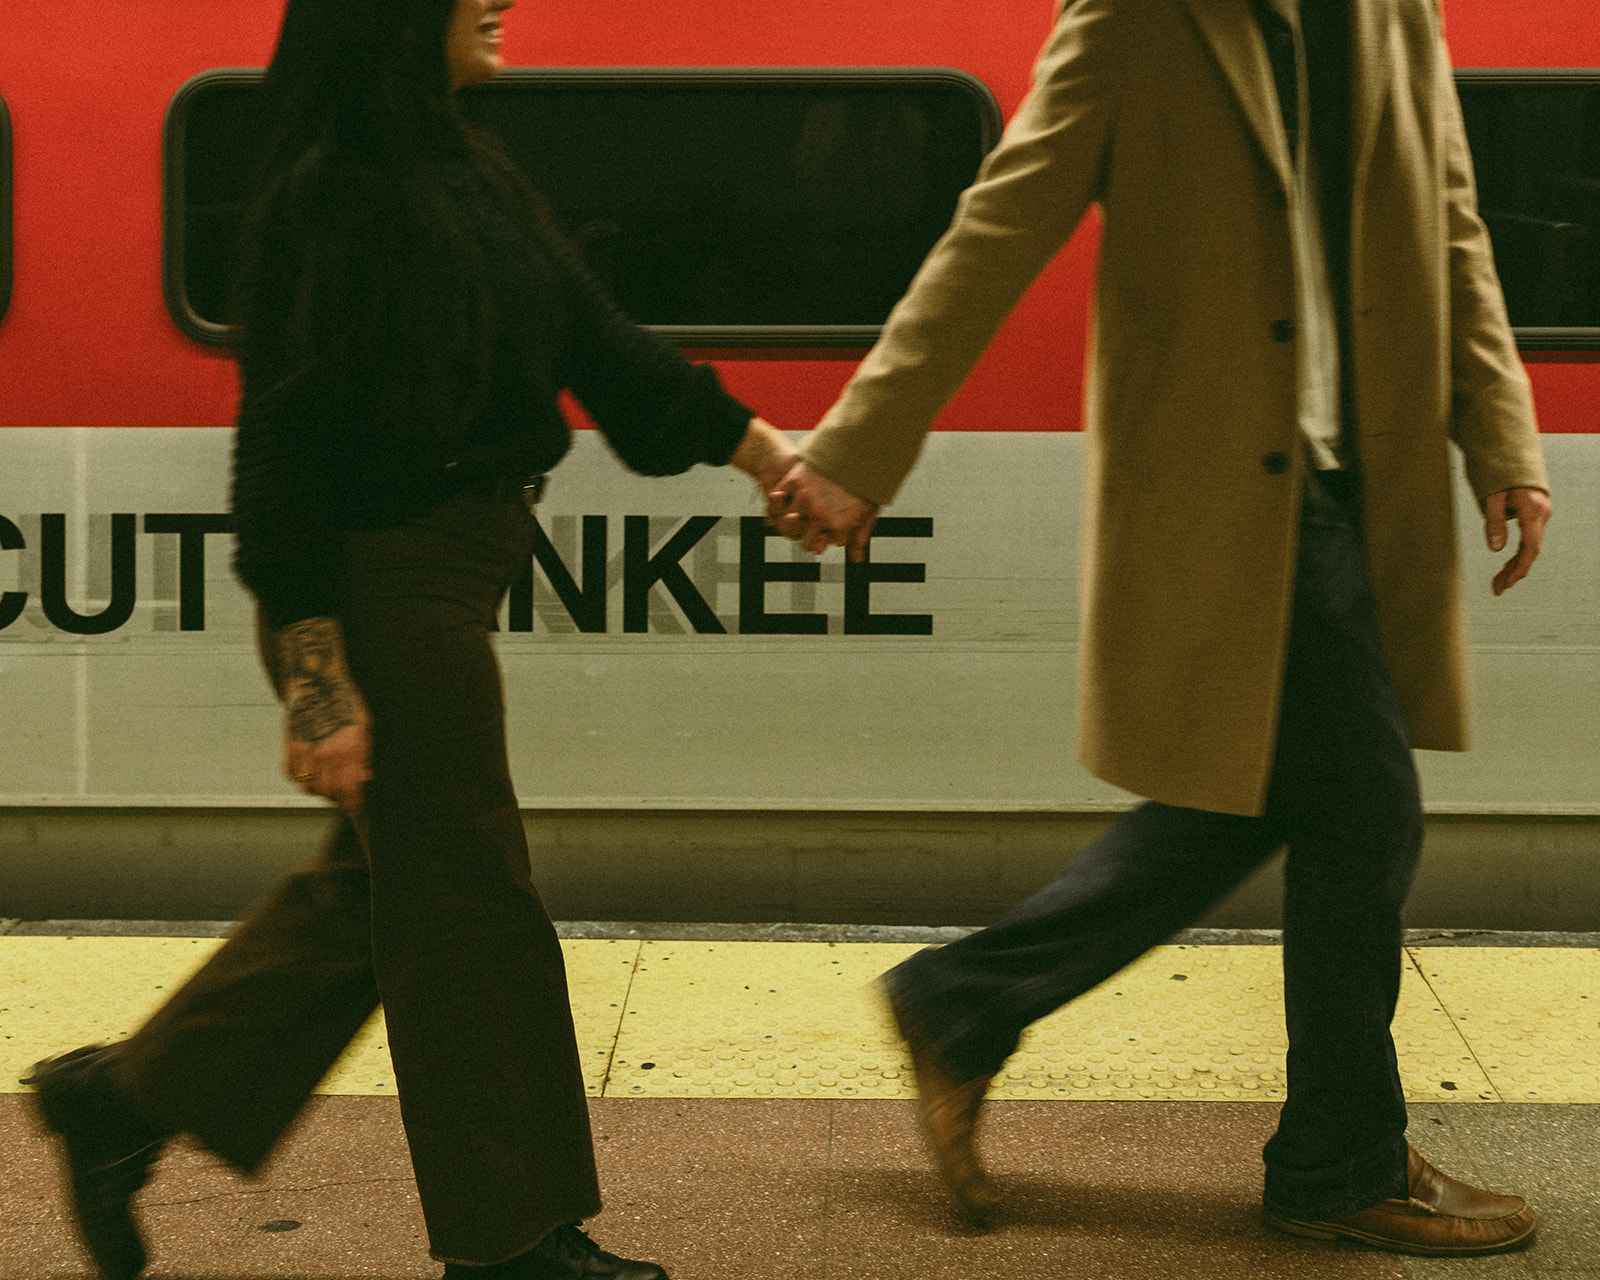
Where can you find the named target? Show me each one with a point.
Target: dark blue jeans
(1343, 798)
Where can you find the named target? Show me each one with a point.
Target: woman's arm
(764, 454)
(327, 740)
(660, 413)
(301, 302)
(304, 295)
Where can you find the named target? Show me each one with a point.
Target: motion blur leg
(1153, 873)
(109, 1147)
(235, 1052)
(230, 1058)
(962, 1008)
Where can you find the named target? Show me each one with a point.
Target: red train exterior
(87, 340)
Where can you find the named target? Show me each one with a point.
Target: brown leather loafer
(949, 1115)
(1443, 1218)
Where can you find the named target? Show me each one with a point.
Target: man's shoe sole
(1314, 1230)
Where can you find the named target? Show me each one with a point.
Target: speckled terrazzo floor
(735, 1189)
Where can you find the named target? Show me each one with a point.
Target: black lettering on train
(580, 576)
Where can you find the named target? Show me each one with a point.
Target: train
(758, 182)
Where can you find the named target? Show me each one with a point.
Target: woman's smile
(474, 40)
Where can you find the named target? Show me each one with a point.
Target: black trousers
(429, 907)
(1343, 798)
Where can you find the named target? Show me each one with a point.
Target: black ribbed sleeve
(292, 450)
(660, 413)
(311, 458)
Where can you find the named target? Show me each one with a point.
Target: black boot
(566, 1253)
(110, 1146)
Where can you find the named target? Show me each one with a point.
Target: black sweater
(311, 457)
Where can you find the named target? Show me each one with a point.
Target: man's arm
(1028, 199)
(1492, 418)
(1491, 403)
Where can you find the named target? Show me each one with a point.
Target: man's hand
(812, 510)
(327, 737)
(1530, 508)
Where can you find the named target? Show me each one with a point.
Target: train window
(1535, 139)
(722, 207)
(5, 208)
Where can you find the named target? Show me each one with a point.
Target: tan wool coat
(1163, 112)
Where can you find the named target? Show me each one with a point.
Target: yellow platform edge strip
(804, 1020)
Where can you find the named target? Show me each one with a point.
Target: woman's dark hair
(361, 135)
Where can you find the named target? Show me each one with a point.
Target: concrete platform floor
(735, 1189)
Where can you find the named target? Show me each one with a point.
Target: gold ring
(302, 777)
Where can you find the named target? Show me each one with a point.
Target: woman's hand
(327, 739)
(765, 454)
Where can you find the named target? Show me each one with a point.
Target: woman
(408, 319)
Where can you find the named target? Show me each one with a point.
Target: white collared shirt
(1316, 322)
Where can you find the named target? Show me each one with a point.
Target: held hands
(803, 505)
(327, 739)
(811, 509)
(1531, 509)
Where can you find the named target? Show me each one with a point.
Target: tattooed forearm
(316, 685)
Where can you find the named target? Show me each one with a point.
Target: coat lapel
(1369, 75)
(1234, 37)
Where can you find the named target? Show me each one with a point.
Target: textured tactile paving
(59, 993)
(1532, 1018)
(599, 976)
(763, 1019)
(804, 1020)
(1181, 1022)
(364, 1066)
(1437, 1063)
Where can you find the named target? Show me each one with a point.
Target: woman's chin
(479, 72)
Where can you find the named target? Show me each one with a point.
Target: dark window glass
(5, 208)
(1535, 138)
(723, 207)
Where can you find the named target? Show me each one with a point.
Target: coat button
(1283, 330)
(1275, 463)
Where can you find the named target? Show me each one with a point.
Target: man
(1297, 311)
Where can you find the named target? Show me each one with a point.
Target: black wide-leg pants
(429, 907)
(1343, 798)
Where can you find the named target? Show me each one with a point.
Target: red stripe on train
(87, 341)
